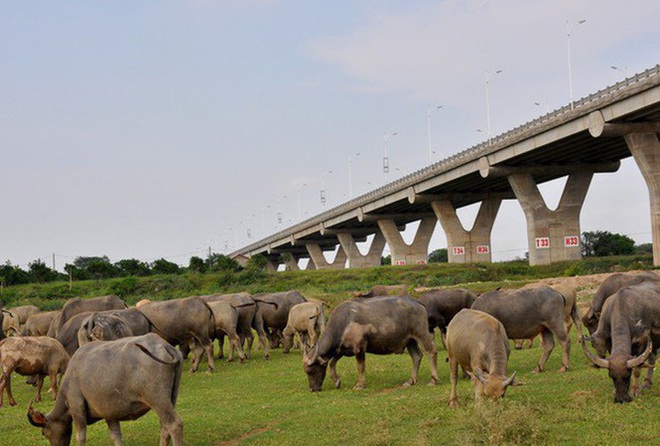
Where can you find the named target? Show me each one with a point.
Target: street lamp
(624, 70)
(299, 192)
(386, 160)
(279, 210)
(323, 187)
(430, 110)
(350, 174)
(263, 220)
(570, 72)
(488, 76)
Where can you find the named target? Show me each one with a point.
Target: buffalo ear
(36, 418)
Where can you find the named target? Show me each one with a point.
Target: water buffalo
(248, 319)
(180, 321)
(276, 315)
(225, 317)
(528, 312)
(610, 286)
(478, 342)
(38, 324)
(379, 325)
(103, 327)
(31, 355)
(307, 321)
(384, 290)
(630, 322)
(75, 306)
(10, 324)
(116, 381)
(443, 305)
(24, 312)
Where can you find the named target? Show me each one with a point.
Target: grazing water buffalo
(610, 286)
(276, 315)
(528, 312)
(31, 355)
(307, 320)
(116, 381)
(76, 306)
(226, 323)
(443, 305)
(113, 324)
(180, 321)
(384, 290)
(630, 322)
(478, 342)
(248, 319)
(38, 324)
(24, 312)
(10, 325)
(379, 325)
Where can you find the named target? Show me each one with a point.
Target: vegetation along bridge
(576, 141)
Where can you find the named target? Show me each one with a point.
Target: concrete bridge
(590, 137)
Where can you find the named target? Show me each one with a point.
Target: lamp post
(263, 220)
(299, 192)
(386, 160)
(430, 110)
(570, 70)
(350, 174)
(279, 209)
(323, 187)
(624, 70)
(488, 76)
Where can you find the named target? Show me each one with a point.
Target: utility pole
(54, 269)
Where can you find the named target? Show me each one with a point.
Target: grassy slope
(267, 402)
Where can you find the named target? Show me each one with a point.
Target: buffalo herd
(107, 353)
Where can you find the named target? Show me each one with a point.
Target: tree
(132, 267)
(40, 273)
(604, 243)
(197, 265)
(13, 275)
(644, 248)
(258, 262)
(221, 262)
(162, 266)
(439, 255)
(387, 260)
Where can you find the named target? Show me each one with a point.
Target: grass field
(268, 403)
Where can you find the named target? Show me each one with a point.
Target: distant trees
(604, 243)
(439, 255)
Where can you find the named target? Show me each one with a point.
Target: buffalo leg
(236, 343)
(333, 371)
(80, 425)
(171, 425)
(40, 385)
(10, 397)
(428, 344)
(53, 383)
(221, 346)
(416, 355)
(565, 343)
(360, 359)
(258, 325)
(115, 431)
(453, 378)
(548, 346)
(208, 347)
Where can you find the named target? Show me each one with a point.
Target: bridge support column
(417, 251)
(271, 265)
(320, 262)
(355, 258)
(291, 263)
(468, 246)
(552, 236)
(645, 148)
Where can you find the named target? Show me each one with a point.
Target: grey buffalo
(384, 290)
(38, 324)
(38, 356)
(180, 321)
(478, 342)
(606, 289)
(528, 312)
(379, 325)
(274, 310)
(75, 306)
(116, 381)
(307, 321)
(443, 305)
(629, 324)
(225, 317)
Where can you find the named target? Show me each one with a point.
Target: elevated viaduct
(575, 142)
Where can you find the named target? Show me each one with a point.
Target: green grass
(267, 403)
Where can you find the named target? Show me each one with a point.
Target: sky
(165, 129)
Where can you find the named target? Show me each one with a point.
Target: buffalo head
(315, 368)
(620, 368)
(491, 386)
(58, 432)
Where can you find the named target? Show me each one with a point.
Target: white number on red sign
(542, 242)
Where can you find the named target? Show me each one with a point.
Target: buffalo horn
(509, 381)
(636, 362)
(600, 362)
(35, 417)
